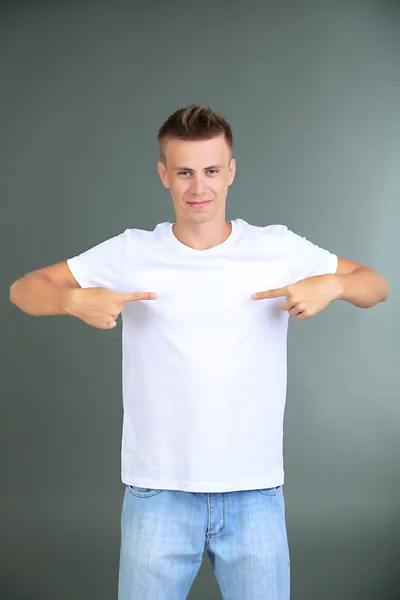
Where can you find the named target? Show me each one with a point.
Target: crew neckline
(234, 234)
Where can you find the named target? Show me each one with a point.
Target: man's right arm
(45, 291)
(54, 291)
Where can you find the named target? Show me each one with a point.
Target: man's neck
(202, 236)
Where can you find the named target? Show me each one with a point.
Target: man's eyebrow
(188, 169)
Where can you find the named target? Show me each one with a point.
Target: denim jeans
(165, 532)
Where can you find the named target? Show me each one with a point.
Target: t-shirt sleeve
(102, 265)
(307, 259)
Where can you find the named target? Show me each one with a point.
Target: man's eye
(182, 172)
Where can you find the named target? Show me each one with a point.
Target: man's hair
(193, 123)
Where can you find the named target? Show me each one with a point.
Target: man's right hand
(99, 306)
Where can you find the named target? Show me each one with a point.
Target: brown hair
(195, 122)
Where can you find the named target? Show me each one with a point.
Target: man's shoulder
(146, 234)
(273, 230)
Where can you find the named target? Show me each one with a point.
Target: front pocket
(141, 492)
(273, 491)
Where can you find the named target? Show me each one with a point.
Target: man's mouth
(199, 204)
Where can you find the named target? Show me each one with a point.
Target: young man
(206, 305)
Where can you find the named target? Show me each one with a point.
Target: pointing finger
(275, 293)
(132, 296)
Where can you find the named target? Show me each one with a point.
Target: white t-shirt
(204, 365)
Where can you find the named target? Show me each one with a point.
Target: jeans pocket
(141, 492)
(272, 491)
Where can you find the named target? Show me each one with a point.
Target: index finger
(275, 293)
(132, 296)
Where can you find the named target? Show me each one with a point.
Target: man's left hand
(307, 297)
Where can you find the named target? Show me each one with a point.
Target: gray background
(312, 91)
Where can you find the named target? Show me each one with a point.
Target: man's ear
(232, 170)
(162, 171)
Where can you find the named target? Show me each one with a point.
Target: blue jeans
(165, 532)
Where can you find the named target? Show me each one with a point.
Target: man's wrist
(338, 287)
(67, 296)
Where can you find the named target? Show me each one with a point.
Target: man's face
(198, 171)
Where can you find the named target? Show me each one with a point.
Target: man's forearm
(36, 295)
(364, 287)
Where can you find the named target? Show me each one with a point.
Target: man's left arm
(354, 282)
(359, 284)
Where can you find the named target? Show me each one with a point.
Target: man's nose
(198, 187)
